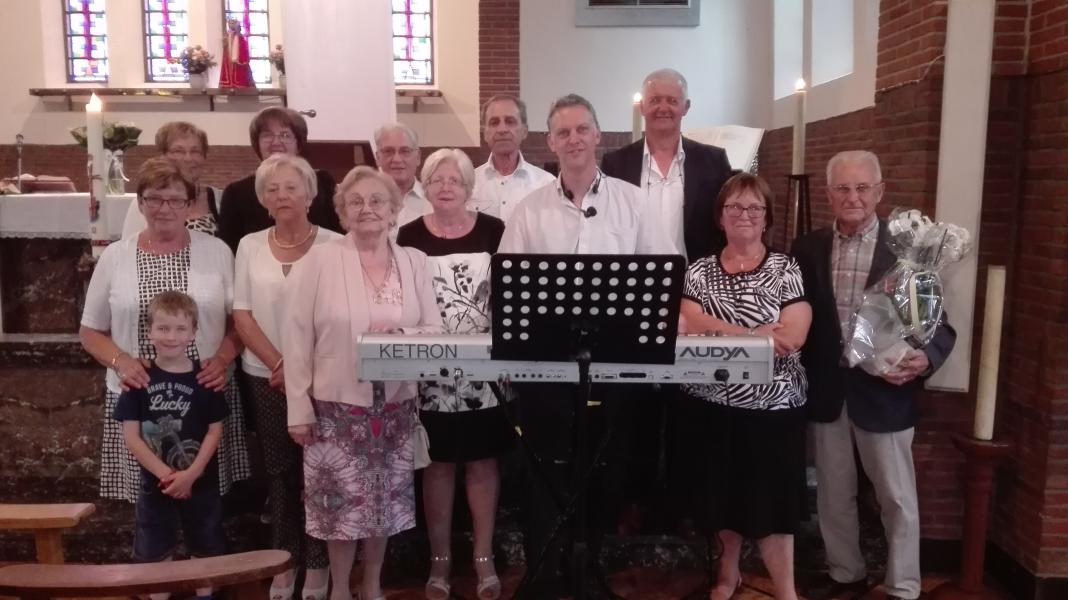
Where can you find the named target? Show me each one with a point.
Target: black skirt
(468, 435)
(745, 468)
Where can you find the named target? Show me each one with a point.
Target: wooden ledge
(34, 580)
(43, 516)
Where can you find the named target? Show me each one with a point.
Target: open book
(741, 143)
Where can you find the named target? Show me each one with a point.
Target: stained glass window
(86, 33)
(166, 35)
(252, 14)
(413, 48)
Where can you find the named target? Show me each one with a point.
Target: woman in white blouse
(285, 186)
(114, 330)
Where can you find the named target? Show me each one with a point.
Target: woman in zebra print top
(750, 439)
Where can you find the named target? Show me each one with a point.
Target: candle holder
(981, 458)
(799, 209)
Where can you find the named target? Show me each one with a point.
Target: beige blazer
(326, 312)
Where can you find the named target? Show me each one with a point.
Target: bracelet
(751, 331)
(115, 358)
(277, 364)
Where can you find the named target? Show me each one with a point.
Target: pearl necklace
(445, 233)
(274, 238)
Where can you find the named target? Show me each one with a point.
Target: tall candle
(800, 95)
(94, 137)
(990, 354)
(636, 119)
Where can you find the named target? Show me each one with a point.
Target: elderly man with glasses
(847, 407)
(397, 153)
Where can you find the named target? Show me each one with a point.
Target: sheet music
(741, 143)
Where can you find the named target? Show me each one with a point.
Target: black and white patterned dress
(120, 472)
(744, 444)
(751, 299)
(465, 422)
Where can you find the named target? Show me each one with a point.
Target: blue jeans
(159, 517)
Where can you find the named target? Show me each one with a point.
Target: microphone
(589, 213)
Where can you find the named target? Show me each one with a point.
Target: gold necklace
(380, 292)
(742, 260)
(274, 237)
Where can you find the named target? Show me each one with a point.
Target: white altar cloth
(59, 215)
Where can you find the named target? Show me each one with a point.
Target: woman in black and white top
(187, 147)
(749, 440)
(465, 423)
(166, 255)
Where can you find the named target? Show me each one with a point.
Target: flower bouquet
(903, 309)
(278, 58)
(195, 60)
(117, 136)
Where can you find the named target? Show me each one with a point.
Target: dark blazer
(241, 212)
(874, 404)
(705, 170)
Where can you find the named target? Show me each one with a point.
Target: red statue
(235, 71)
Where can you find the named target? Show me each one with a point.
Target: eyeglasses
(155, 202)
(184, 152)
(736, 210)
(374, 202)
(451, 181)
(390, 152)
(863, 190)
(281, 136)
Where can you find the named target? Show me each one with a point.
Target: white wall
(32, 56)
(726, 60)
(845, 94)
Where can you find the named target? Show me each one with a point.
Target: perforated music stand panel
(628, 305)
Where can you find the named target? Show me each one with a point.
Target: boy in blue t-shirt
(173, 428)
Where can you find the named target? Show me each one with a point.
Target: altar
(44, 258)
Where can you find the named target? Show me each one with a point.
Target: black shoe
(826, 588)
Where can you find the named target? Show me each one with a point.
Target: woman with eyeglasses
(187, 147)
(273, 130)
(466, 425)
(166, 255)
(747, 442)
(359, 482)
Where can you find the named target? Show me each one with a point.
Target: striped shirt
(850, 264)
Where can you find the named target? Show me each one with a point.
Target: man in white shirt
(505, 179)
(583, 211)
(397, 153)
(679, 176)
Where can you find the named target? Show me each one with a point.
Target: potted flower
(196, 61)
(278, 58)
(118, 138)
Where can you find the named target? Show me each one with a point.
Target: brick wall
(1024, 223)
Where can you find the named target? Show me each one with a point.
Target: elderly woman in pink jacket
(358, 449)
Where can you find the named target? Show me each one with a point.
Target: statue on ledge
(235, 71)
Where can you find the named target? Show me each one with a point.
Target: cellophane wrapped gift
(902, 310)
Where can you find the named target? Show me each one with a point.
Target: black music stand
(584, 308)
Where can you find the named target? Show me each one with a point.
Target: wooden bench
(244, 572)
(47, 522)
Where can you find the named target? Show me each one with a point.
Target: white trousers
(887, 460)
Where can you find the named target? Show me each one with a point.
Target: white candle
(636, 119)
(800, 94)
(990, 354)
(94, 137)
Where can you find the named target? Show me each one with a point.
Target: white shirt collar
(521, 168)
(680, 154)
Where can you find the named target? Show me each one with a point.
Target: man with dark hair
(505, 179)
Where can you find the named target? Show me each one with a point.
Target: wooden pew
(244, 572)
(47, 522)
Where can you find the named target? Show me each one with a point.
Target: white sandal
(488, 587)
(438, 588)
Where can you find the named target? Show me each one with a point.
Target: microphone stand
(18, 160)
